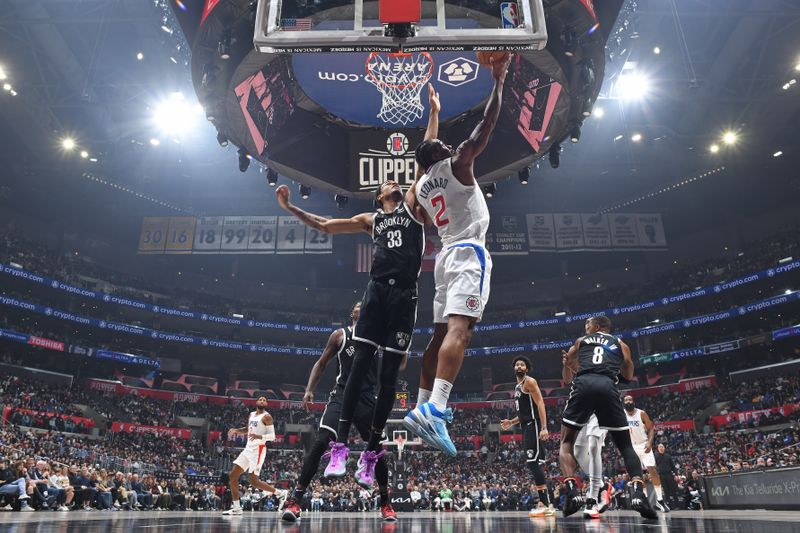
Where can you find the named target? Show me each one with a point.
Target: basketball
(486, 58)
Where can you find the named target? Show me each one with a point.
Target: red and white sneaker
(604, 499)
(291, 512)
(590, 511)
(388, 513)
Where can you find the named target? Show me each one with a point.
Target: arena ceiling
(73, 65)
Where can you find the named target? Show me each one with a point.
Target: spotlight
(224, 46)
(84, 154)
(2, 74)
(636, 137)
(140, 56)
(599, 112)
(778, 153)
(575, 133)
(222, 139)
(272, 177)
(555, 155)
(209, 75)
(244, 161)
(155, 142)
(341, 201)
(797, 67)
(6, 86)
(524, 175)
(68, 143)
(729, 137)
(657, 50)
(714, 148)
(305, 191)
(632, 86)
(489, 190)
(570, 42)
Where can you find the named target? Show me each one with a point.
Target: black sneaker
(640, 503)
(573, 503)
(662, 506)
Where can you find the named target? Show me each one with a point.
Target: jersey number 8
(597, 356)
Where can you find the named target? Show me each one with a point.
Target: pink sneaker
(365, 474)
(337, 452)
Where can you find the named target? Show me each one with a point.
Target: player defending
(389, 306)
(453, 201)
(593, 366)
(643, 431)
(341, 346)
(589, 453)
(531, 414)
(259, 431)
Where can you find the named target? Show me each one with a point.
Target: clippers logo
(509, 14)
(473, 304)
(458, 71)
(396, 163)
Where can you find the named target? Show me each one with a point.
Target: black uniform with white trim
(594, 389)
(362, 419)
(528, 414)
(389, 306)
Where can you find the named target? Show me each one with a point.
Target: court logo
(458, 71)
(473, 304)
(402, 339)
(397, 144)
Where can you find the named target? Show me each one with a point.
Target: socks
(423, 396)
(571, 484)
(544, 496)
(298, 494)
(440, 394)
(235, 504)
(659, 493)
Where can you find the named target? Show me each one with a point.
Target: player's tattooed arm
(356, 224)
(569, 361)
(334, 343)
(532, 388)
(506, 424)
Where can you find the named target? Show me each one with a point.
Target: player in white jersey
(589, 453)
(643, 431)
(452, 200)
(259, 431)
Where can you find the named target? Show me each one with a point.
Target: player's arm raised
(532, 388)
(431, 132)
(334, 343)
(472, 147)
(651, 431)
(626, 371)
(355, 224)
(569, 362)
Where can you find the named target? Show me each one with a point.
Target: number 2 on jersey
(439, 200)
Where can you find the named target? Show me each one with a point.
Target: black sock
(384, 495)
(571, 484)
(544, 496)
(298, 493)
(374, 440)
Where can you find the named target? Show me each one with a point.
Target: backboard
(299, 26)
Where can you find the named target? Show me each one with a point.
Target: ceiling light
(729, 137)
(598, 112)
(575, 133)
(224, 45)
(489, 190)
(155, 142)
(175, 115)
(714, 148)
(778, 153)
(6, 86)
(222, 139)
(2, 74)
(524, 175)
(636, 137)
(140, 56)
(84, 154)
(618, 137)
(244, 160)
(657, 50)
(272, 177)
(93, 159)
(554, 156)
(13, 92)
(167, 29)
(341, 200)
(305, 191)
(632, 86)
(68, 143)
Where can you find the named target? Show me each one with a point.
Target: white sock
(440, 394)
(659, 493)
(423, 396)
(235, 504)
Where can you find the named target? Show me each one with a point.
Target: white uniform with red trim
(639, 438)
(463, 267)
(255, 451)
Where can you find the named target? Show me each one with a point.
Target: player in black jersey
(532, 415)
(389, 305)
(341, 346)
(593, 365)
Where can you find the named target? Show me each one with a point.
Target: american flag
(363, 257)
(296, 24)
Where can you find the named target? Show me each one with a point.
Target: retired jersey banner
(576, 232)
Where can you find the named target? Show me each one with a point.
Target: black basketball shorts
(362, 418)
(533, 446)
(598, 394)
(388, 315)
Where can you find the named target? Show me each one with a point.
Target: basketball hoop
(400, 77)
(400, 438)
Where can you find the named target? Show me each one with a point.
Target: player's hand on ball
(500, 68)
(433, 99)
(308, 399)
(283, 195)
(544, 434)
(505, 424)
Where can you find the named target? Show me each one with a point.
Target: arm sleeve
(270, 435)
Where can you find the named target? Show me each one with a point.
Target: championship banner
(123, 427)
(507, 235)
(541, 232)
(573, 232)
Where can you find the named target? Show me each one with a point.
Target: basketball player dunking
(453, 201)
(643, 432)
(259, 431)
(341, 346)
(388, 309)
(594, 364)
(533, 417)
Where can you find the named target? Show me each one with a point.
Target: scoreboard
(231, 235)
(401, 401)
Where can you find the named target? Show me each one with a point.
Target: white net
(400, 78)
